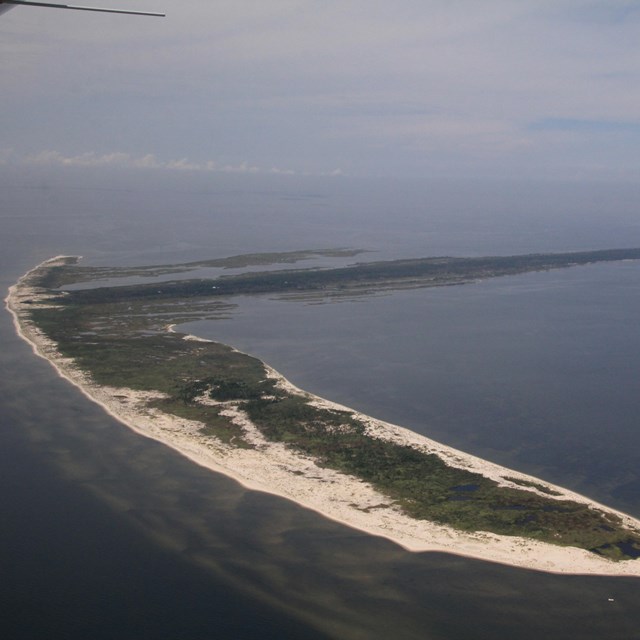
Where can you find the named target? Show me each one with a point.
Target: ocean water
(105, 534)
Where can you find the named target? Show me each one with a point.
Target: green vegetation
(118, 335)
(123, 355)
(369, 276)
(425, 487)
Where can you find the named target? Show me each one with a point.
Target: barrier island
(112, 332)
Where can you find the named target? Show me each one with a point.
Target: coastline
(272, 468)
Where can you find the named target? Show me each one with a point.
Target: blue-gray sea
(105, 534)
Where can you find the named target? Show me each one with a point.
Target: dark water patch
(626, 547)
(630, 549)
(463, 492)
(510, 507)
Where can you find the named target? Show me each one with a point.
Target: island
(113, 332)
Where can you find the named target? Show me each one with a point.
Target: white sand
(273, 468)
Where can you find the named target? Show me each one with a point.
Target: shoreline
(272, 468)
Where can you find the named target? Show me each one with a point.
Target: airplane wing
(5, 5)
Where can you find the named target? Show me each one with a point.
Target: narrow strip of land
(366, 277)
(232, 413)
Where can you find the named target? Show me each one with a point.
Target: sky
(526, 89)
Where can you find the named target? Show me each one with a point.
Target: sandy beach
(273, 468)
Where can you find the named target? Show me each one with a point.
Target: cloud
(123, 160)
(308, 85)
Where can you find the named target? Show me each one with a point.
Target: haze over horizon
(435, 89)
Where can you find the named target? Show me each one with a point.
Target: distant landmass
(232, 413)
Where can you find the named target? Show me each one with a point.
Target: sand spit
(273, 468)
